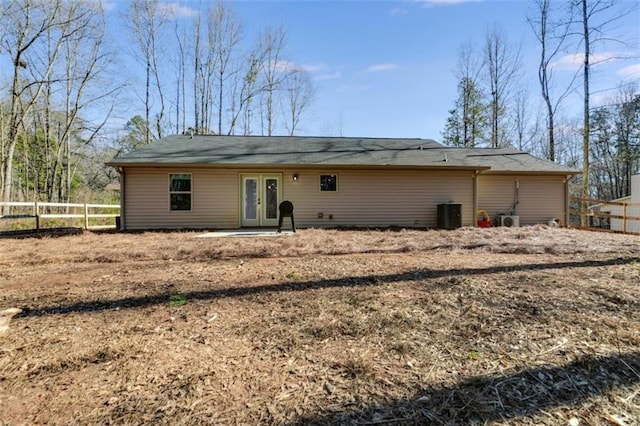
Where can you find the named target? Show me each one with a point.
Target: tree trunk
(13, 137)
(586, 131)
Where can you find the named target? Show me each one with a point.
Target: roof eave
(532, 172)
(293, 166)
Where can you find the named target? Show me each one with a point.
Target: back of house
(225, 182)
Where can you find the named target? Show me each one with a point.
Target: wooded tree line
(204, 73)
(64, 81)
(216, 82)
(493, 108)
(615, 144)
(56, 55)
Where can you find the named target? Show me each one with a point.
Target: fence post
(36, 213)
(86, 216)
(624, 218)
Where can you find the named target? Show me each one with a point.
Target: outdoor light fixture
(295, 177)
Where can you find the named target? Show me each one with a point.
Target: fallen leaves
(526, 326)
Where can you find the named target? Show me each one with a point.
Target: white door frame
(257, 206)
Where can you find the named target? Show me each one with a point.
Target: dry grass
(521, 326)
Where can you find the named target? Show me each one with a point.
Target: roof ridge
(297, 137)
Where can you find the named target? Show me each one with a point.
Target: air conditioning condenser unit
(509, 221)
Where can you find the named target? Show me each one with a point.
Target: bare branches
(486, 81)
(31, 24)
(552, 37)
(61, 73)
(273, 71)
(299, 93)
(466, 123)
(224, 35)
(503, 64)
(147, 24)
(59, 55)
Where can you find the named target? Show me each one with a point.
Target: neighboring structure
(624, 213)
(222, 182)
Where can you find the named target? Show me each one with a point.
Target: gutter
(278, 166)
(475, 197)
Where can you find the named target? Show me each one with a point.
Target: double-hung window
(180, 191)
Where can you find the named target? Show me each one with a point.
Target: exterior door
(260, 198)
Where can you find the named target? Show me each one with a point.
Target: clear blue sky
(386, 68)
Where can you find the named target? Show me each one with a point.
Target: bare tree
(568, 137)
(244, 89)
(502, 65)
(59, 56)
(524, 132)
(552, 36)
(181, 77)
(224, 35)
(335, 128)
(227, 81)
(596, 20)
(247, 94)
(466, 122)
(147, 24)
(273, 72)
(586, 128)
(3, 109)
(206, 54)
(29, 22)
(85, 84)
(299, 91)
(198, 91)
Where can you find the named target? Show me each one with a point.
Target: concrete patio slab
(246, 233)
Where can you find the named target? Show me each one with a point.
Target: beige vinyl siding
(363, 198)
(214, 199)
(378, 197)
(541, 198)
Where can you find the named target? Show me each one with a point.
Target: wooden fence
(37, 211)
(601, 215)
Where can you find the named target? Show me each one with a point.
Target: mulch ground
(531, 325)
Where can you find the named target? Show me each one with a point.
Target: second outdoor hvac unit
(509, 221)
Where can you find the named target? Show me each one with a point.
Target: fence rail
(601, 215)
(44, 210)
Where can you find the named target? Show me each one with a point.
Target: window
(180, 191)
(328, 183)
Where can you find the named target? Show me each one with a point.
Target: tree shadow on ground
(345, 282)
(497, 398)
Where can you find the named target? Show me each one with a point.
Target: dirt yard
(532, 325)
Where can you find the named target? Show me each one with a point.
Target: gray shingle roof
(329, 151)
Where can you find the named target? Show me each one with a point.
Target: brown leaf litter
(530, 325)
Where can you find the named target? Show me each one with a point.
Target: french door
(260, 198)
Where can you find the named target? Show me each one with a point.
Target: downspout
(475, 197)
(122, 198)
(567, 199)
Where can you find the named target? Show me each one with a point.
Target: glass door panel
(271, 198)
(250, 201)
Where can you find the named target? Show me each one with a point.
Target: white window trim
(179, 192)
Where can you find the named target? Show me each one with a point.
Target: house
(195, 181)
(623, 214)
